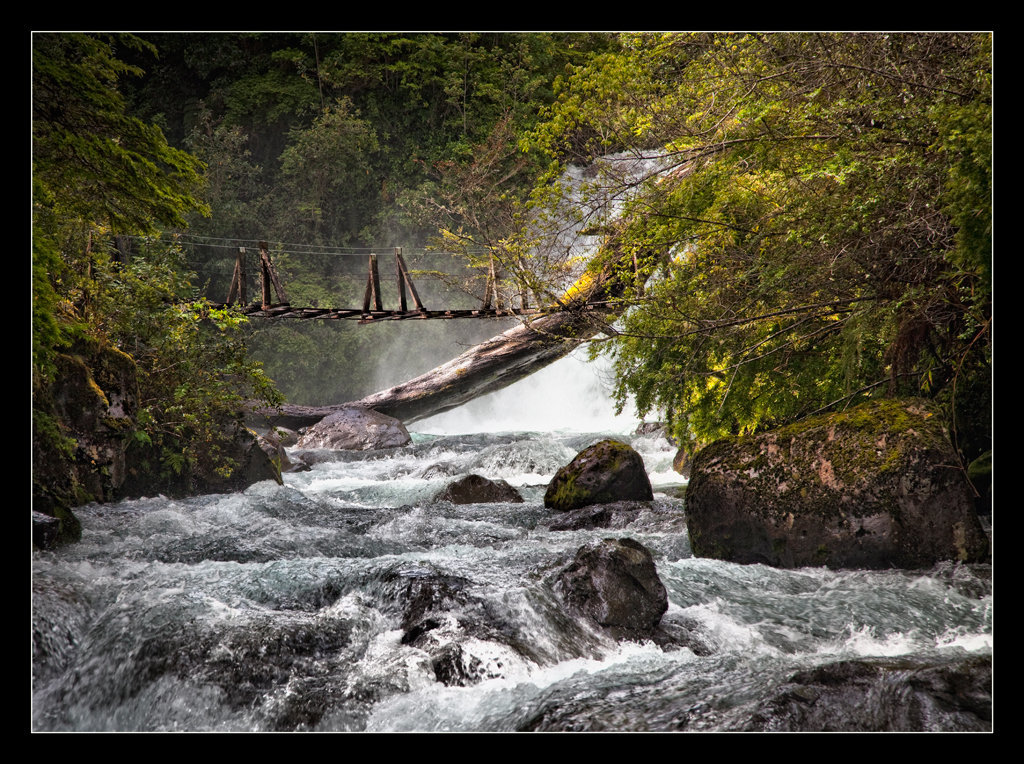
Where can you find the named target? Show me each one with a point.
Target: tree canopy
(819, 229)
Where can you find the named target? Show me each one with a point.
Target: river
(348, 600)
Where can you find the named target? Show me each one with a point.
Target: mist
(571, 395)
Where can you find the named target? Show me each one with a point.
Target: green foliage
(99, 172)
(97, 162)
(195, 372)
(325, 174)
(821, 227)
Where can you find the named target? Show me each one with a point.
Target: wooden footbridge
(372, 309)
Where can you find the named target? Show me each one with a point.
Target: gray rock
(282, 435)
(355, 429)
(617, 514)
(874, 487)
(46, 531)
(615, 583)
(906, 694)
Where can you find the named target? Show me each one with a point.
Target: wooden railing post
(406, 280)
(268, 276)
(243, 284)
(401, 280)
(238, 279)
(372, 287)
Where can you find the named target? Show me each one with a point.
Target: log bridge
(372, 310)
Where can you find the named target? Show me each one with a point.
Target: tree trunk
(489, 366)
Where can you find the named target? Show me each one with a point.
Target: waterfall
(571, 395)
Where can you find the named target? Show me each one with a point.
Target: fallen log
(489, 366)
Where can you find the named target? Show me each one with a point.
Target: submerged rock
(355, 428)
(875, 487)
(48, 531)
(476, 489)
(616, 514)
(605, 472)
(615, 583)
(883, 695)
(465, 641)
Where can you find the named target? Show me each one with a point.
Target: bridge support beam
(268, 277)
(238, 285)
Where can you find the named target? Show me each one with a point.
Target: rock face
(83, 448)
(605, 472)
(875, 487)
(354, 428)
(615, 583)
(476, 489)
(79, 446)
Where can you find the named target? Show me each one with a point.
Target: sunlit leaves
(839, 208)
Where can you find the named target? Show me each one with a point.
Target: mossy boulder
(146, 475)
(605, 472)
(82, 422)
(84, 447)
(878, 486)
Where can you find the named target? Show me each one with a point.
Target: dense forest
(817, 229)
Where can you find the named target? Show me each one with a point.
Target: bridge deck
(372, 310)
(285, 310)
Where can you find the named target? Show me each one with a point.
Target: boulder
(252, 465)
(274, 450)
(614, 582)
(475, 489)
(878, 486)
(83, 422)
(354, 428)
(282, 435)
(605, 472)
(681, 463)
(47, 531)
(86, 445)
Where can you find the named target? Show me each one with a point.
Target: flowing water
(348, 600)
